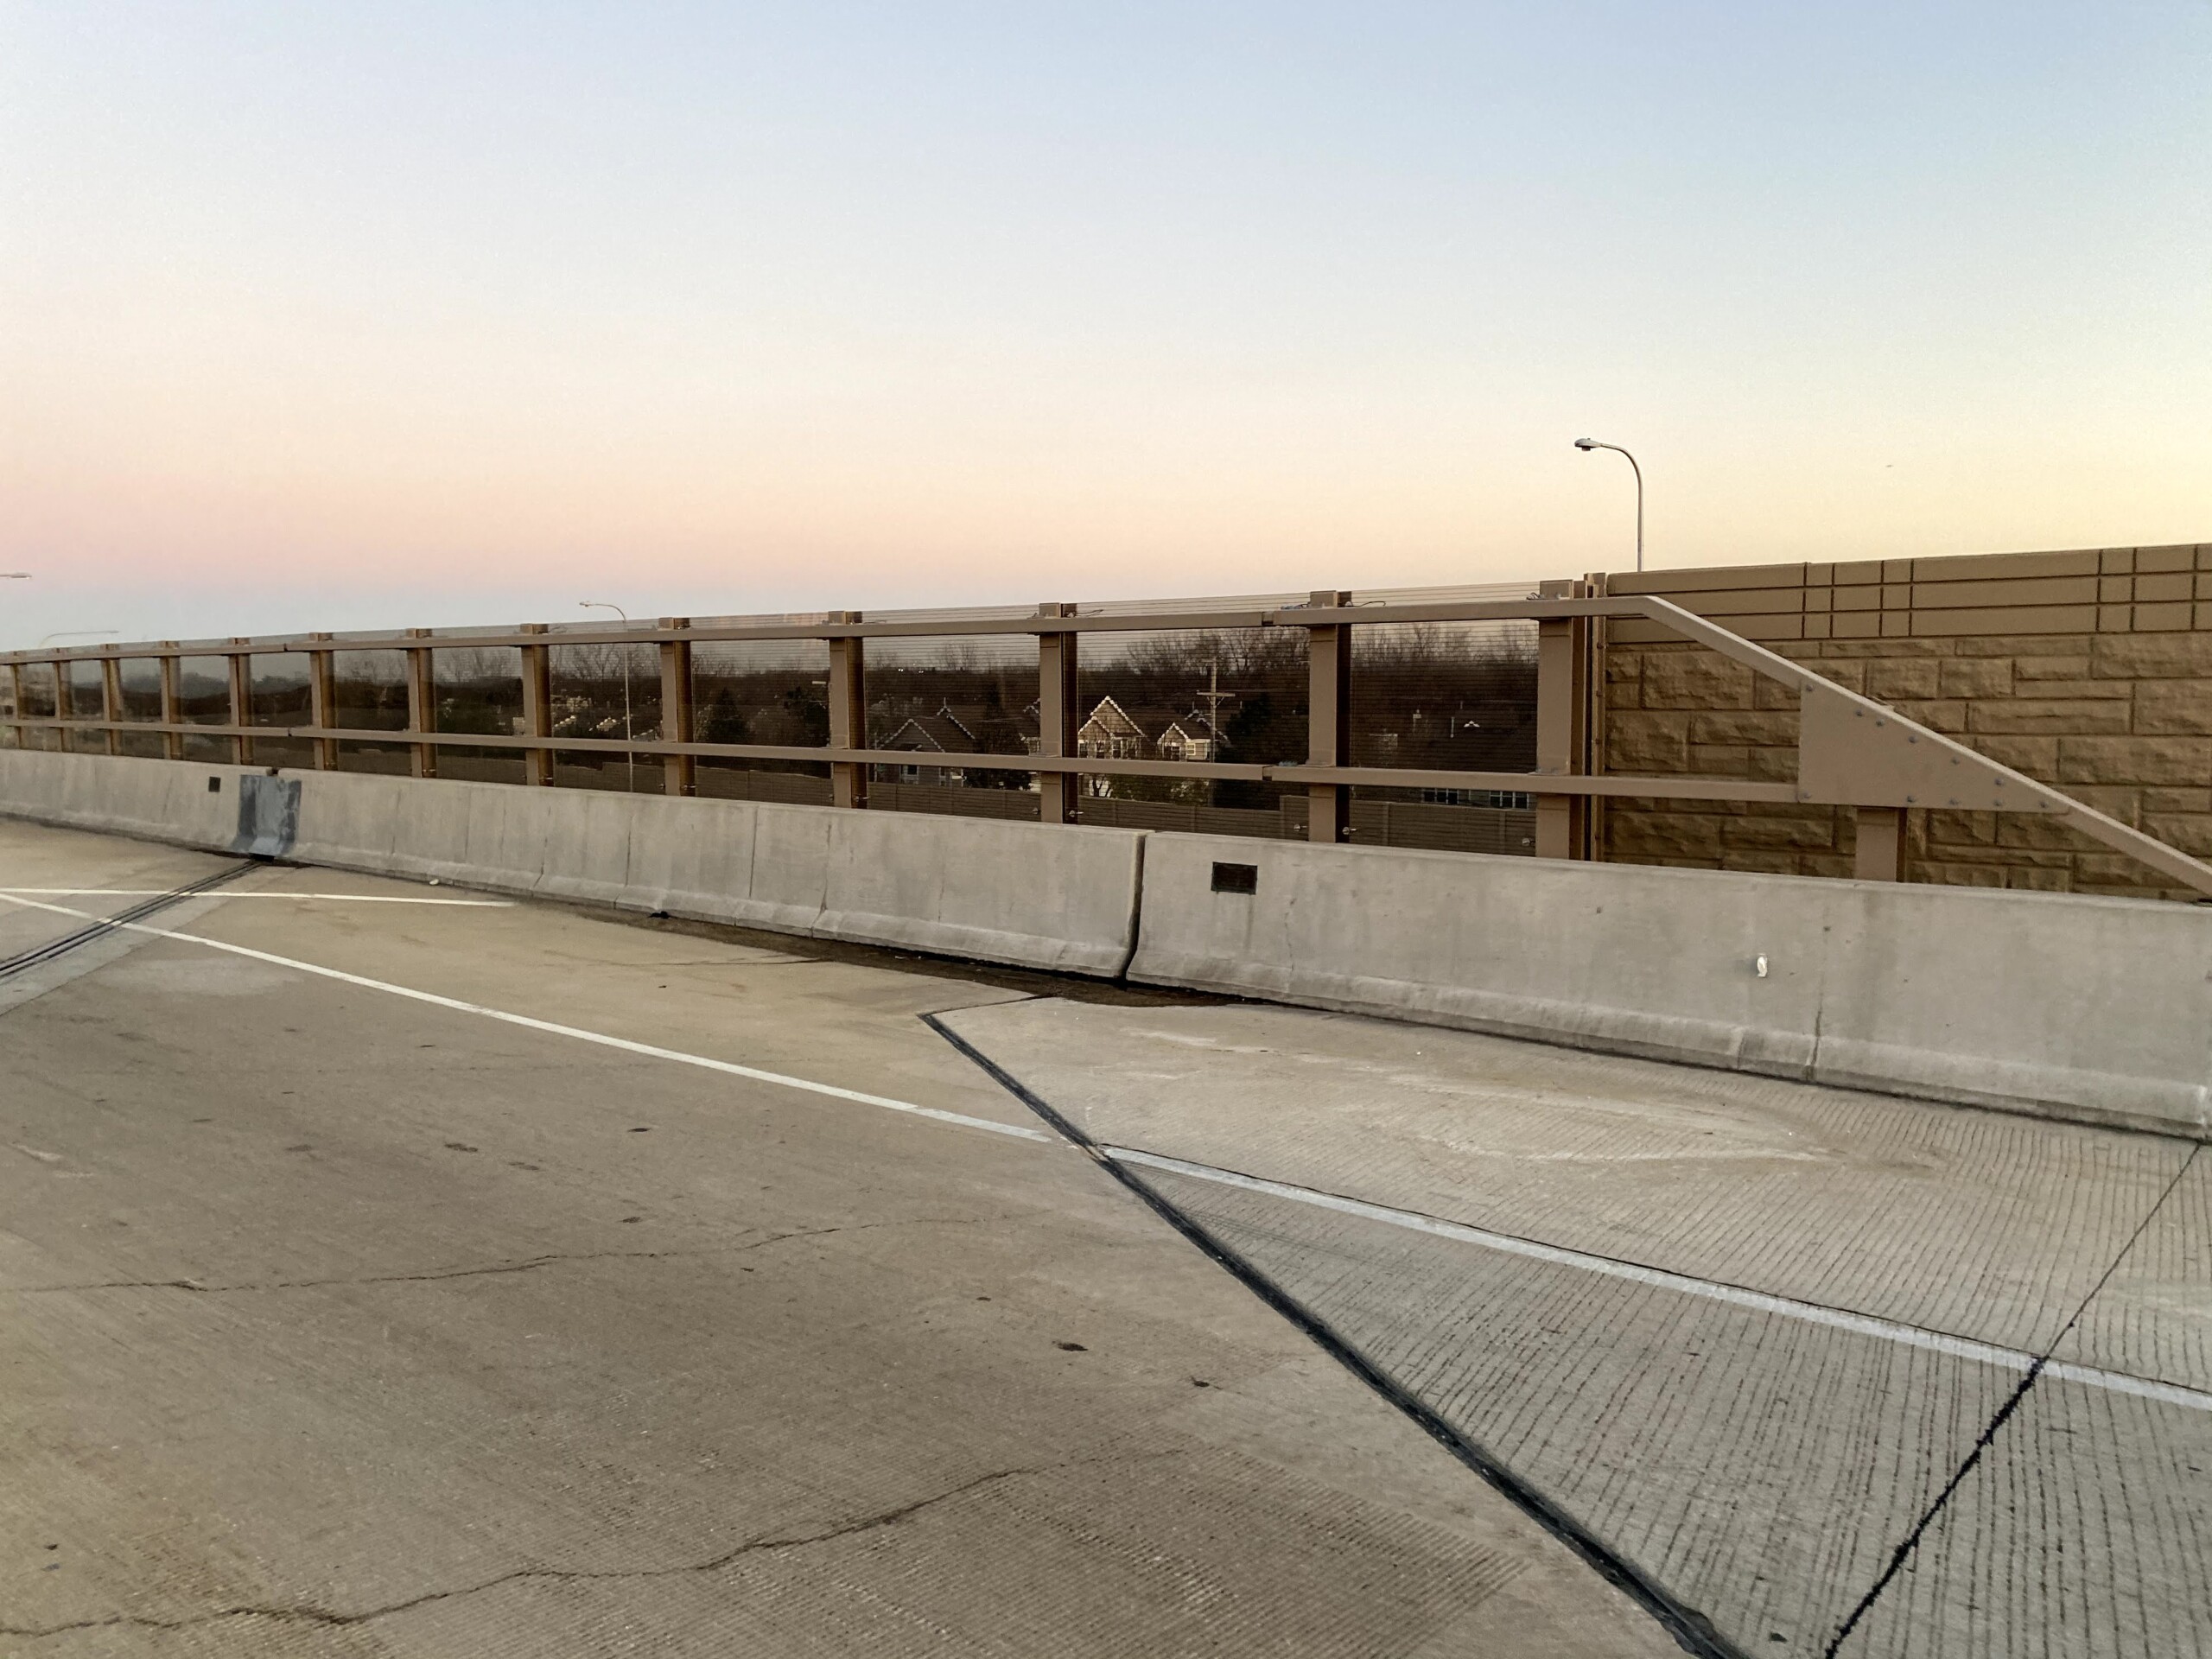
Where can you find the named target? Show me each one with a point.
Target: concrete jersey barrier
(1023, 893)
(2095, 1009)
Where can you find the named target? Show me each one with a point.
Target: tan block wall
(2088, 670)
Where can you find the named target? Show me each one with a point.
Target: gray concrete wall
(994, 890)
(2098, 1009)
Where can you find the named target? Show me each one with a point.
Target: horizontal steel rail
(1294, 616)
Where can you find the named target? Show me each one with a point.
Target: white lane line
(335, 897)
(1911, 1336)
(1020, 1131)
(1812, 1312)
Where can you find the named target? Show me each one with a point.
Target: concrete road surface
(390, 1270)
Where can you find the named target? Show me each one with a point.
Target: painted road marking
(337, 898)
(2012, 1359)
(1911, 1336)
(1020, 1131)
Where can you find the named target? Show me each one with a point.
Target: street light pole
(629, 731)
(1587, 444)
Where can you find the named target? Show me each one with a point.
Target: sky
(434, 314)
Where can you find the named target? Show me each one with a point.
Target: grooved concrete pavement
(1764, 1465)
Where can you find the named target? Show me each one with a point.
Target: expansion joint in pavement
(1692, 1632)
(100, 927)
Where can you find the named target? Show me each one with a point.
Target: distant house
(941, 732)
(1112, 732)
(964, 730)
(1110, 735)
(1188, 737)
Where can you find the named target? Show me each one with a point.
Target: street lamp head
(1586, 443)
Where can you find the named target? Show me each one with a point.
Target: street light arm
(78, 633)
(1588, 444)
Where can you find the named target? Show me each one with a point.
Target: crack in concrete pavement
(526, 1265)
(308, 1614)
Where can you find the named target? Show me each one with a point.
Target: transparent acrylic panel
(940, 697)
(277, 695)
(949, 694)
(368, 691)
(792, 783)
(761, 691)
(952, 696)
(478, 690)
(140, 678)
(1443, 820)
(203, 690)
(84, 680)
(1238, 697)
(1445, 696)
(277, 691)
(35, 690)
(389, 760)
(146, 745)
(478, 766)
(588, 769)
(774, 691)
(604, 692)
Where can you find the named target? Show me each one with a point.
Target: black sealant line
(1904, 1551)
(1692, 1632)
(99, 929)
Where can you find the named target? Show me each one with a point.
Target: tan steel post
(1881, 843)
(1562, 726)
(322, 704)
(679, 772)
(111, 701)
(422, 703)
(15, 704)
(172, 742)
(1595, 707)
(240, 668)
(848, 716)
(1328, 721)
(1058, 718)
(537, 706)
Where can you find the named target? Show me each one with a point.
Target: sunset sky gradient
(346, 316)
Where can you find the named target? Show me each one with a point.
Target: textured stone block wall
(2088, 670)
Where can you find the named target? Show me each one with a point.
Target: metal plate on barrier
(268, 816)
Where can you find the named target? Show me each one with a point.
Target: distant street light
(15, 575)
(629, 735)
(79, 633)
(1586, 444)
